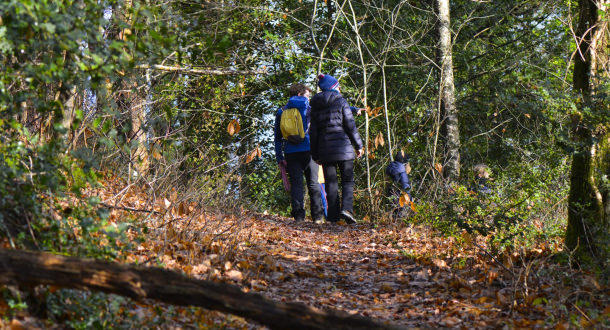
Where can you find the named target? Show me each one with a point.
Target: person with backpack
(397, 172)
(334, 136)
(292, 151)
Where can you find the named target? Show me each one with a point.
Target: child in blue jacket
(397, 172)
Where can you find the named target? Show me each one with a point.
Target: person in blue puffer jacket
(335, 143)
(297, 158)
(397, 172)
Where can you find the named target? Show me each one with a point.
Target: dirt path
(396, 275)
(407, 275)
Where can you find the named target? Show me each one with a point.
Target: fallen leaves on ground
(407, 275)
(403, 274)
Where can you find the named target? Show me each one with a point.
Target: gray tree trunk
(450, 128)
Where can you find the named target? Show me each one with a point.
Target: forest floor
(404, 274)
(397, 273)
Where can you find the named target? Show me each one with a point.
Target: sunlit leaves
(257, 152)
(233, 127)
(404, 199)
(379, 140)
(373, 112)
(439, 168)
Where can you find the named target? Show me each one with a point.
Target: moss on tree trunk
(588, 231)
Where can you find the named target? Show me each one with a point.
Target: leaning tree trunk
(588, 232)
(451, 132)
(32, 268)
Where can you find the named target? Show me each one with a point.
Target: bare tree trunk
(385, 110)
(588, 231)
(69, 111)
(133, 105)
(447, 101)
(137, 113)
(365, 102)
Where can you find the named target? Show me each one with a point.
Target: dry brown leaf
(376, 111)
(156, 155)
(413, 208)
(421, 284)
(379, 140)
(450, 321)
(182, 209)
(491, 276)
(251, 156)
(235, 275)
(467, 238)
(440, 263)
(404, 199)
(501, 299)
(386, 287)
(231, 127)
(439, 168)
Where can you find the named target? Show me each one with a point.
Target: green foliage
(526, 207)
(264, 189)
(50, 49)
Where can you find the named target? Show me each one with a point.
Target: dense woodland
(138, 135)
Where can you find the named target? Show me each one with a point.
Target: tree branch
(215, 72)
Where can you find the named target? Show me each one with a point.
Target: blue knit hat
(327, 82)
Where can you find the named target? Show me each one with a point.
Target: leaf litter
(406, 275)
(402, 274)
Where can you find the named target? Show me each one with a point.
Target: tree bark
(588, 227)
(449, 113)
(32, 268)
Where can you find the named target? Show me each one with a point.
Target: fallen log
(136, 282)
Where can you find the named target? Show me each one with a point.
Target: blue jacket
(282, 146)
(333, 131)
(396, 171)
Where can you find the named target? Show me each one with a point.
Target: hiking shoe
(299, 218)
(348, 217)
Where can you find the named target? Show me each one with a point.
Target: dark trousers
(300, 163)
(346, 168)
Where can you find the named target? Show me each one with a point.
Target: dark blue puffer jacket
(396, 171)
(332, 130)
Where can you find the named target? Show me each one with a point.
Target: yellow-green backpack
(291, 125)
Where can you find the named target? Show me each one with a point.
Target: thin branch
(215, 72)
(125, 208)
